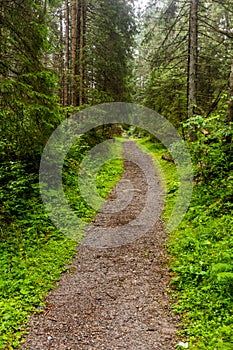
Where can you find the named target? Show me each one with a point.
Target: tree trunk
(61, 59)
(81, 52)
(1, 54)
(74, 51)
(192, 59)
(67, 58)
(230, 97)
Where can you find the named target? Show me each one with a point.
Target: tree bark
(67, 56)
(192, 59)
(168, 159)
(61, 59)
(230, 97)
(81, 52)
(74, 51)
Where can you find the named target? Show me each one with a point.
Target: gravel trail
(113, 298)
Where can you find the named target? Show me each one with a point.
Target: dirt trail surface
(112, 298)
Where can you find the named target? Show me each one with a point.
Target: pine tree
(189, 48)
(99, 37)
(29, 108)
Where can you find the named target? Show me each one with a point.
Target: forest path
(113, 298)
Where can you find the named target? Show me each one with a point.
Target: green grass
(27, 273)
(201, 251)
(33, 252)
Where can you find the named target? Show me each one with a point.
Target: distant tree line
(59, 54)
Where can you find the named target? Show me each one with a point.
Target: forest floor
(112, 298)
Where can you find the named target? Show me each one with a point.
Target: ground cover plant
(33, 252)
(201, 249)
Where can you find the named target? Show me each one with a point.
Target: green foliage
(212, 151)
(30, 264)
(104, 178)
(162, 61)
(108, 175)
(110, 40)
(164, 92)
(29, 114)
(201, 251)
(33, 252)
(29, 109)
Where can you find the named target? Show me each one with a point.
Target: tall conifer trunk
(67, 58)
(192, 59)
(74, 51)
(82, 51)
(230, 97)
(61, 58)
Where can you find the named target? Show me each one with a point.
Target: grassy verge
(202, 254)
(33, 252)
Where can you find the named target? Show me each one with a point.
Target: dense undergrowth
(201, 249)
(33, 252)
